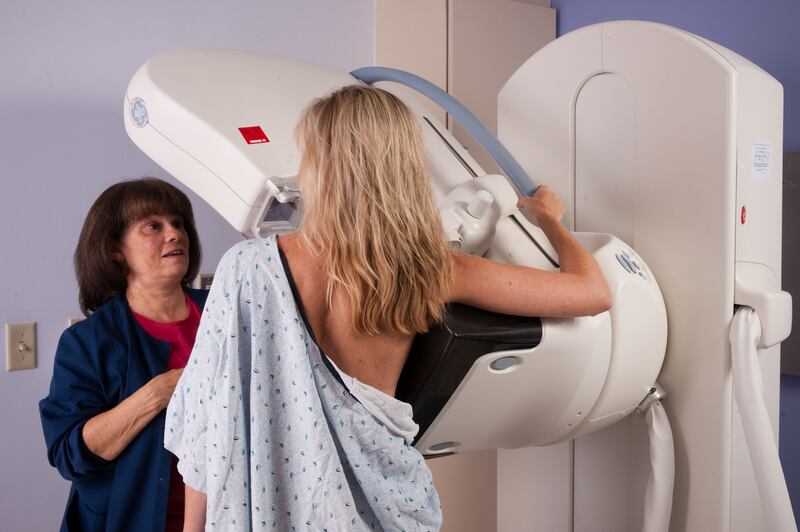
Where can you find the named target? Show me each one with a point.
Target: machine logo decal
(744, 214)
(138, 112)
(253, 135)
(630, 264)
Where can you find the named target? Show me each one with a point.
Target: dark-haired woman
(115, 372)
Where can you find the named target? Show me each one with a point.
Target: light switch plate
(20, 346)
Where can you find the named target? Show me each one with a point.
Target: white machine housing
(674, 144)
(184, 109)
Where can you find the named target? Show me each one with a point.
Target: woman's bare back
(376, 360)
(578, 289)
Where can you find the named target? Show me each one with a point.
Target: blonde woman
(285, 417)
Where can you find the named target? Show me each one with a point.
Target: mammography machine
(649, 136)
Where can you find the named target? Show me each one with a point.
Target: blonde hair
(370, 210)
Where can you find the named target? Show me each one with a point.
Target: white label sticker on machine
(762, 154)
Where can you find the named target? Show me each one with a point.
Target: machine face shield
(283, 207)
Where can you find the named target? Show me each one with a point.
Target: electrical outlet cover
(20, 346)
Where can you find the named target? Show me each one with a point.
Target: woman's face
(156, 251)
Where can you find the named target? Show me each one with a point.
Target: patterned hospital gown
(264, 424)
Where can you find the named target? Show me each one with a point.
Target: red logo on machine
(744, 215)
(253, 135)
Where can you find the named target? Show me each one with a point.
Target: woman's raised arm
(579, 289)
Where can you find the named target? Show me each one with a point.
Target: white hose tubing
(747, 392)
(658, 494)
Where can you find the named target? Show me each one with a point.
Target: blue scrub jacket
(99, 362)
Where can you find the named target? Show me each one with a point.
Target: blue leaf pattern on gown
(261, 424)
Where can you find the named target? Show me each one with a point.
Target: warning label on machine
(762, 153)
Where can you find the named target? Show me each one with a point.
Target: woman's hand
(543, 205)
(109, 433)
(161, 387)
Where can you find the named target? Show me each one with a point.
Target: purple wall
(766, 32)
(65, 68)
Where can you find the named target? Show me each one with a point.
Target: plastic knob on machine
(452, 227)
(480, 204)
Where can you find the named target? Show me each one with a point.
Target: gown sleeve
(201, 407)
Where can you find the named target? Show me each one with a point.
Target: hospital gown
(266, 426)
